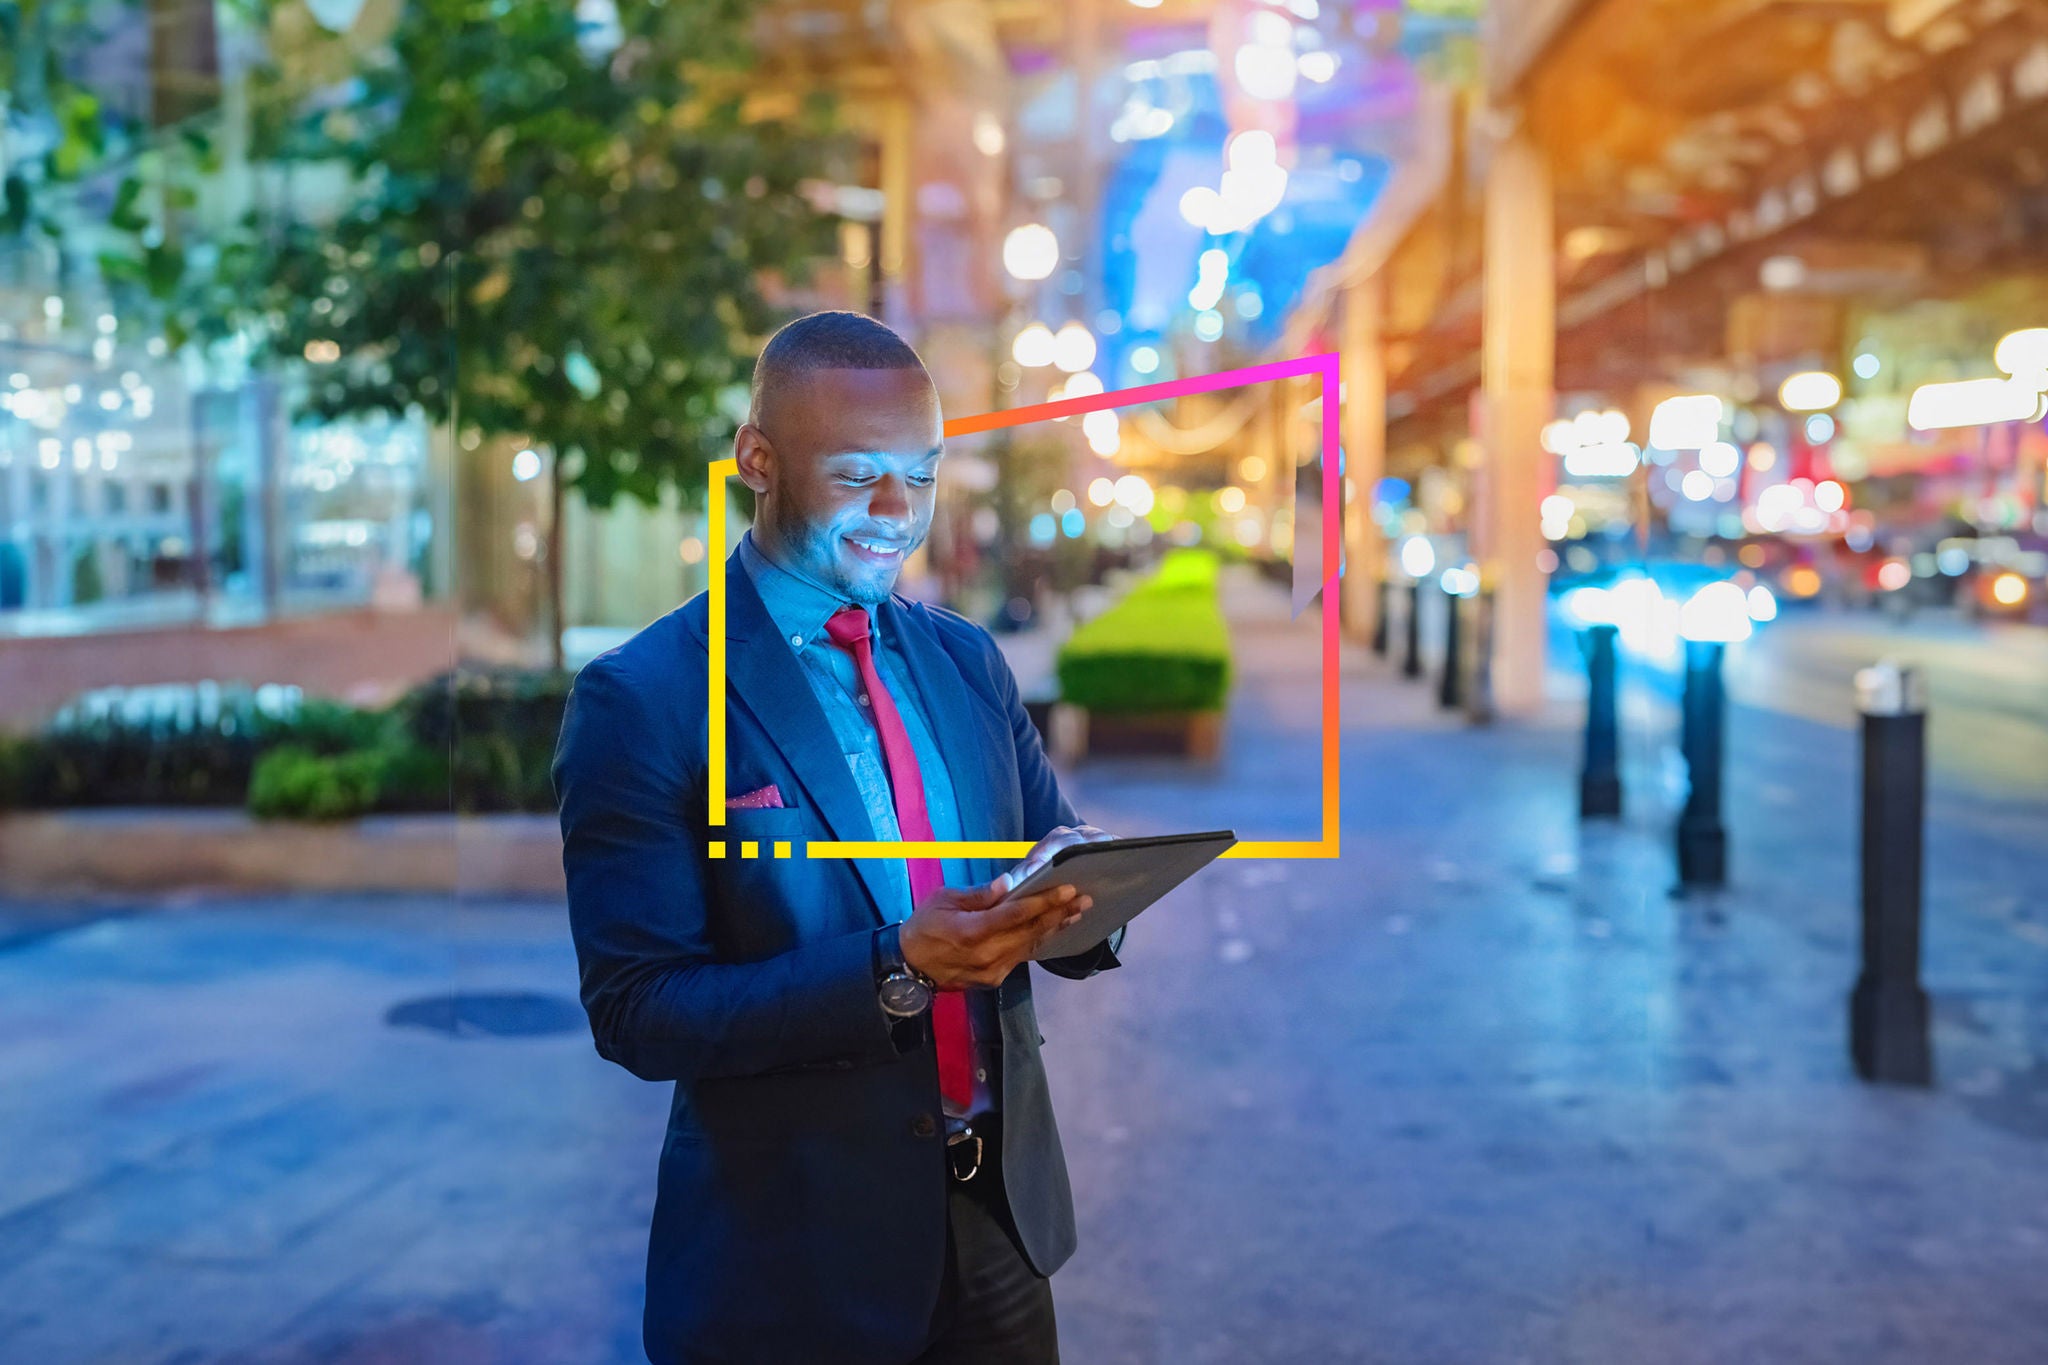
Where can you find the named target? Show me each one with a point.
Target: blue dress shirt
(799, 606)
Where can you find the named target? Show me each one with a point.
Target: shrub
(18, 759)
(295, 783)
(499, 727)
(1163, 648)
(1183, 571)
(415, 778)
(474, 740)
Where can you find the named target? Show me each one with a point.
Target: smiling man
(861, 1163)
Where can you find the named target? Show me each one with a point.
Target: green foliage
(87, 585)
(546, 239)
(1164, 647)
(1183, 571)
(64, 121)
(471, 741)
(414, 779)
(177, 745)
(295, 783)
(498, 728)
(18, 757)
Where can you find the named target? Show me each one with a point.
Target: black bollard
(1702, 841)
(1450, 690)
(1383, 595)
(1479, 696)
(1411, 661)
(1600, 778)
(1888, 1009)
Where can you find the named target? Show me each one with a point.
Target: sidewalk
(1482, 1091)
(1479, 1091)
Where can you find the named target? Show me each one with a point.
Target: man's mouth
(877, 551)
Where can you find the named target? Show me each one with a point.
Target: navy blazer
(801, 1213)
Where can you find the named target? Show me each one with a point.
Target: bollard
(1600, 778)
(1888, 1009)
(1383, 595)
(1702, 841)
(1450, 690)
(1411, 660)
(1479, 695)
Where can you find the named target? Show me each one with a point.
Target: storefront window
(132, 495)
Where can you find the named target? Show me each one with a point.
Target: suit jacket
(801, 1213)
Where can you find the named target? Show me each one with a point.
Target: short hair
(833, 340)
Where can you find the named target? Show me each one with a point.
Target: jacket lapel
(764, 679)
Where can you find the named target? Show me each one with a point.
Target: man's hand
(976, 936)
(1058, 838)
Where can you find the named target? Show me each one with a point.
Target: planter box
(142, 848)
(1078, 733)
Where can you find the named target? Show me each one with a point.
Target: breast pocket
(765, 828)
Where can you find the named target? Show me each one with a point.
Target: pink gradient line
(1324, 364)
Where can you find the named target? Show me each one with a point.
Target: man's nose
(890, 500)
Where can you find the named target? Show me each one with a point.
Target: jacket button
(923, 1126)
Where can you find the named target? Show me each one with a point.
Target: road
(1987, 686)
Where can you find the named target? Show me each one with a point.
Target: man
(861, 1163)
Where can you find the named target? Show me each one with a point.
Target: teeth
(871, 545)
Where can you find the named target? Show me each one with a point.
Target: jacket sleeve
(1045, 807)
(660, 1003)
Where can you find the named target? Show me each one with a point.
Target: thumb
(982, 897)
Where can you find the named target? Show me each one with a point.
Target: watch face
(904, 994)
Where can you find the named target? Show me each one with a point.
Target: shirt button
(863, 699)
(797, 640)
(981, 1073)
(923, 1126)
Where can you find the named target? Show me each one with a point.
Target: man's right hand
(976, 936)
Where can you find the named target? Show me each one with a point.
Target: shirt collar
(799, 606)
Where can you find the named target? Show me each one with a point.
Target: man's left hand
(1060, 837)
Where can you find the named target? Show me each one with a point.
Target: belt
(972, 1149)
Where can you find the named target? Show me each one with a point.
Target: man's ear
(756, 456)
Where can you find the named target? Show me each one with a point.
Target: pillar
(1362, 363)
(1516, 374)
(899, 210)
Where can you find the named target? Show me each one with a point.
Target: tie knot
(848, 626)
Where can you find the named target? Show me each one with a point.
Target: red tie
(849, 630)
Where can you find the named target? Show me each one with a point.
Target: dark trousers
(994, 1309)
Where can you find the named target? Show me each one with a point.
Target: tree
(554, 229)
(52, 129)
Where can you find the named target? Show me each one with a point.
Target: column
(1362, 363)
(1516, 373)
(899, 209)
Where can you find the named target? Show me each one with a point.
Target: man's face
(845, 467)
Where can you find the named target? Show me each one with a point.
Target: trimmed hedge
(1163, 648)
(295, 783)
(473, 740)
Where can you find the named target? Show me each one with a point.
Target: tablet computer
(1124, 876)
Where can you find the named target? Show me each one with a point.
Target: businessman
(861, 1163)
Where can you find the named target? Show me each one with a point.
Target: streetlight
(1073, 348)
(1033, 347)
(1031, 252)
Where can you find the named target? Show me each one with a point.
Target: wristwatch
(905, 992)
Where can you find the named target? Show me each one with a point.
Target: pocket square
(766, 798)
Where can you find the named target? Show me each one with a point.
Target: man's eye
(923, 480)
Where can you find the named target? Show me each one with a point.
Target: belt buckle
(957, 1142)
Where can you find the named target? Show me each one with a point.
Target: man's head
(841, 448)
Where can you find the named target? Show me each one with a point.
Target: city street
(1987, 684)
(1481, 1090)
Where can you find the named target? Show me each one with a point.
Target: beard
(819, 553)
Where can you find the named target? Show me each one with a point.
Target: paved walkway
(1480, 1091)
